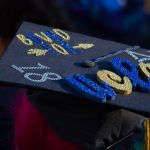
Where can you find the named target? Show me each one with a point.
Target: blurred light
(114, 5)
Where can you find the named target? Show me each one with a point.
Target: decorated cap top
(78, 66)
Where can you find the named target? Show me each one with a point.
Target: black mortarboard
(52, 59)
(76, 72)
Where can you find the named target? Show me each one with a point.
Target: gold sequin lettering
(24, 40)
(145, 69)
(62, 34)
(83, 46)
(59, 49)
(37, 52)
(120, 85)
(44, 37)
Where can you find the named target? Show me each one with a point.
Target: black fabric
(117, 125)
(72, 118)
(85, 123)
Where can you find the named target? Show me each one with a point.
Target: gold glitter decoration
(24, 40)
(147, 134)
(83, 46)
(44, 37)
(123, 86)
(62, 34)
(145, 69)
(37, 52)
(59, 49)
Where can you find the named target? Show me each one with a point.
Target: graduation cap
(78, 73)
(78, 65)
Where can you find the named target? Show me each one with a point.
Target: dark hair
(12, 13)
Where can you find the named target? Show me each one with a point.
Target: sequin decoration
(139, 57)
(23, 69)
(113, 54)
(61, 42)
(123, 86)
(57, 40)
(122, 66)
(54, 36)
(59, 49)
(84, 46)
(24, 40)
(44, 37)
(105, 90)
(37, 52)
(145, 69)
(41, 43)
(43, 77)
(90, 89)
(62, 34)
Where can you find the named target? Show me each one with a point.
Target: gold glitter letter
(44, 37)
(121, 86)
(59, 49)
(37, 52)
(145, 69)
(62, 34)
(24, 40)
(84, 46)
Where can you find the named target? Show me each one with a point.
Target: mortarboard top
(50, 59)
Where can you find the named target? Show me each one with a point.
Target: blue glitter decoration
(54, 36)
(84, 90)
(39, 41)
(94, 91)
(62, 42)
(132, 74)
(107, 92)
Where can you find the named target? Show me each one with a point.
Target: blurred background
(126, 21)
